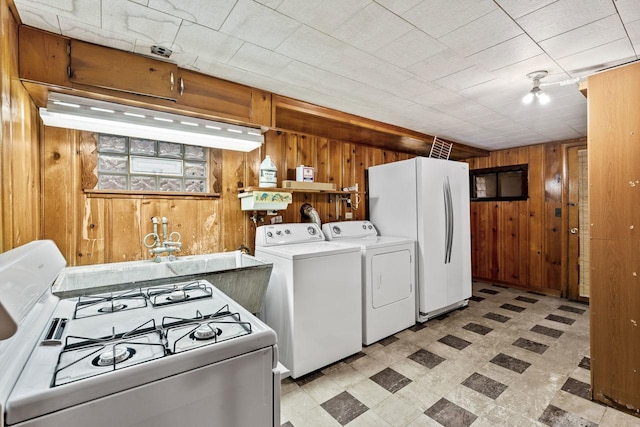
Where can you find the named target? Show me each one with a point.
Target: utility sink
(242, 277)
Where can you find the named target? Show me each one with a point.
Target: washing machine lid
(375, 241)
(308, 250)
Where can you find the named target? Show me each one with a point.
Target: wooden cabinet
(103, 67)
(217, 96)
(44, 57)
(614, 200)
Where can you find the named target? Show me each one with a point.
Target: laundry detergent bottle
(268, 173)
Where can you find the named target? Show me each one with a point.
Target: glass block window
(135, 164)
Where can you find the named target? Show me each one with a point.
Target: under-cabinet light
(73, 112)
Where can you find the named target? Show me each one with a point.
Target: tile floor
(511, 358)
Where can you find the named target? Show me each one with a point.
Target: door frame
(565, 291)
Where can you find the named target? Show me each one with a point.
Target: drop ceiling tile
(489, 30)
(90, 34)
(325, 16)
(301, 74)
(413, 88)
(372, 28)
(142, 2)
(132, 19)
(440, 65)
(586, 37)
(212, 45)
(607, 55)
(410, 48)
(440, 96)
(463, 79)
(313, 47)
(633, 28)
(518, 8)
(439, 17)
(259, 60)
(563, 16)
(227, 72)
(258, 24)
(517, 49)
(399, 6)
(87, 11)
(628, 10)
(273, 4)
(518, 72)
(39, 18)
(207, 14)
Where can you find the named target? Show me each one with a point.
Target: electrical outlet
(272, 213)
(348, 215)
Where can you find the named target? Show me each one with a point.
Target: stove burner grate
(173, 294)
(97, 305)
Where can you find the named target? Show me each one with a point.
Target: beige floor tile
(322, 389)
(577, 405)
(295, 403)
(503, 417)
(368, 366)
(410, 369)
(424, 421)
(396, 411)
(368, 392)
(287, 385)
(615, 418)
(314, 417)
(346, 375)
(470, 400)
(419, 396)
(369, 419)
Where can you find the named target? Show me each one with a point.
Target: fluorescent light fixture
(73, 112)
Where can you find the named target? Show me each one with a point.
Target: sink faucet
(170, 244)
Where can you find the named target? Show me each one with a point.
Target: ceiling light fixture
(536, 92)
(74, 112)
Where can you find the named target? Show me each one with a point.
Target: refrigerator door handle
(448, 211)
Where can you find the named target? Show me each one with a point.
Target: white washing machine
(313, 297)
(388, 277)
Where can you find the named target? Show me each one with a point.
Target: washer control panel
(285, 234)
(348, 229)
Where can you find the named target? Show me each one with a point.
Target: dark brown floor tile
(477, 328)
(536, 347)
(578, 388)
(500, 286)
(441, 317)
(511, 363)
(560, 319)
(306, 379)
(426, 358)
(550, 332)
(344, 407)
(354, 357)
(455, 342)
(485, 385)
(527, 299)
(390, 380)
(450, 415)
(555, 417)
(512, 307)
(388, 340)
(536, 293)
(476, 298)
(497, 317)
(489, 291)
(287, 424)
(417, 327)
(585, 363)
(571, 309)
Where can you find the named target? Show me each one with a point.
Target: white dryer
(313, 297)
(388, 277)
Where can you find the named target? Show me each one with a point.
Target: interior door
(578, 227)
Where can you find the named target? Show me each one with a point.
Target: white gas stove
(166, 355)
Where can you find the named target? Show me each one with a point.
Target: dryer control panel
(286, 234)
(348, 229)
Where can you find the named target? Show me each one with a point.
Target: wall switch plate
(348, 215)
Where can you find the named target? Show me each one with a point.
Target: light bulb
(527, 98)
(543, 98)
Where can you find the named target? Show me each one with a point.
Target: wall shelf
(298, 190)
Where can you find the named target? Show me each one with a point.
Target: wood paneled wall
(19, 149)
(520, 242)
(94, 228)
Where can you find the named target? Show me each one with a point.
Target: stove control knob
(364, 226)
(287, 231)
(279, 233)
(311, 231)
(336, 229)
(269, 234)
(369, 226)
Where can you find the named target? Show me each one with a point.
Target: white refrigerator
(427, 200)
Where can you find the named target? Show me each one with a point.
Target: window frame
(524, 182)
